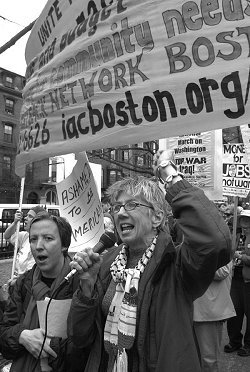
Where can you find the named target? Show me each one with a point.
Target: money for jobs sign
(236, 180)
(104, 74)
(199, 157)
(80, 205)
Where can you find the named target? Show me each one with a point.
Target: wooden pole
(17, 228)
(15, 38)
(234, 224)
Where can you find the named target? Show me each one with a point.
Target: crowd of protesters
(158, 299)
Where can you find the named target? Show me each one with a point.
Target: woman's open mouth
(41, 258)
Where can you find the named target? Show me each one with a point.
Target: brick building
(39, 185)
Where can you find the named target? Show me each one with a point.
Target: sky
(21, 13)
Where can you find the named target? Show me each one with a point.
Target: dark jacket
(171, 281)
(11, 326)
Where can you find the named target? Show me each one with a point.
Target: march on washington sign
(199, 157)
(107, 73)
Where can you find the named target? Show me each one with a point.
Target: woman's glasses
(129, 206)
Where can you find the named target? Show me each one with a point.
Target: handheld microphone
(107, 240)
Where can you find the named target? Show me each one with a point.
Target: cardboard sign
(236, 180)
(80, 205)
(199, 157)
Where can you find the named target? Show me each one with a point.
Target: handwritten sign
(245, 132)
(199, 157)
(103, 75)
(236, 180)
(80, 205)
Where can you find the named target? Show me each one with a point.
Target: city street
(230, 362)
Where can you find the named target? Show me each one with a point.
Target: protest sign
(199, 157)
(245, 132)
(103, 75)
(80, 204)
(236, 180)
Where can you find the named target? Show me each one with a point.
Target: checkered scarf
(119, 332)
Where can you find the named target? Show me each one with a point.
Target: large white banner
(103, 75)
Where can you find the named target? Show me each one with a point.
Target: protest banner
(236, 180)
(199, 157)
(102, 75)
(245, 132)
(80, 205)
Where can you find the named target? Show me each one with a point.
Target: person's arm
(12, 228)
(223, 272)
(85, 302)
(15, 338)
(10, 325)
(207, 239)
(245, 258)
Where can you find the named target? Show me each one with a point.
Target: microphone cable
(53, 295)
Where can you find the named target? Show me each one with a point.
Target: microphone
(107, 240)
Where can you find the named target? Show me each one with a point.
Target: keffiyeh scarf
(119, 332)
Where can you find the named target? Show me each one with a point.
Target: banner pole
(17, 228)
(234, 224)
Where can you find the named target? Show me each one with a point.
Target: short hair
(64, 227)
(144, 187)
(38, 209)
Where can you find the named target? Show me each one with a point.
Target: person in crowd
(110, 227)
(240, 293)
(108, 222)
(24, 258)
(210, 312)
(105, 205)
(134, 305)
(21, 337)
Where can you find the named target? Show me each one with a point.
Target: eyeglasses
(129, 206)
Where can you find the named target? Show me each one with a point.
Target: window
(9, 106)
(53, 169)
(6, 166)
(125, 155)
(114, 175)
(29, 175)
(8, 133)
(112, 155)
(51, 197)
(32, 198)
(54, 211)
(139, 160)
(9, 81)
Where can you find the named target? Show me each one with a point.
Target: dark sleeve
(245, 259)
(82, 319)
(69, 357)
(207, 239)
(11, 325)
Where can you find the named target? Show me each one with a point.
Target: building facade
(39, 185)
(11, 86)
